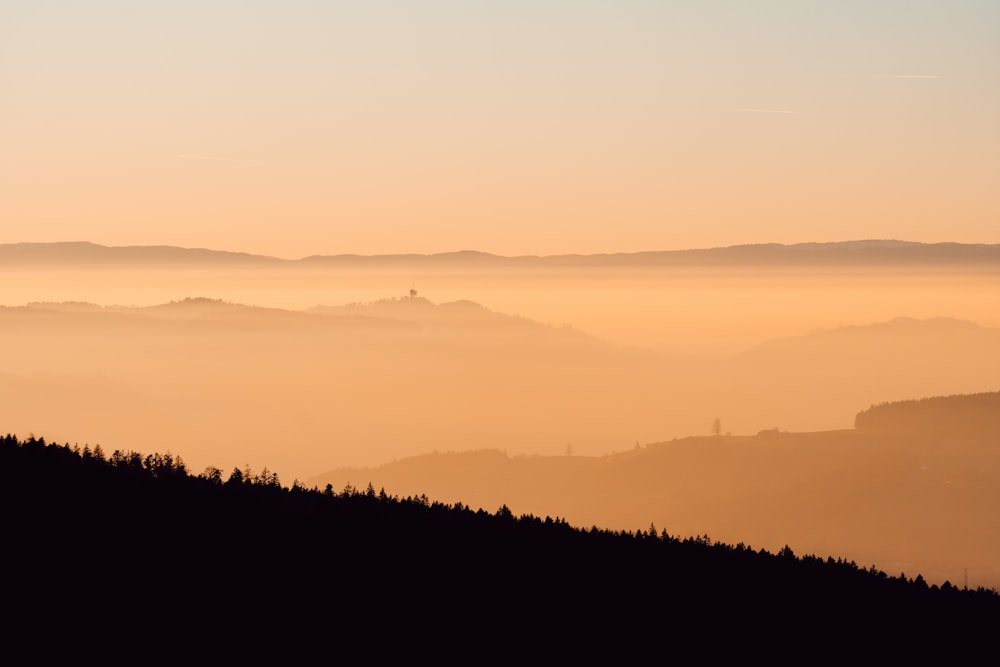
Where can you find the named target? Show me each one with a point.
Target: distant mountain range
(850, 253)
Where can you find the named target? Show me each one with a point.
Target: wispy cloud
(784, 111)
(912, 76)
(214, 158)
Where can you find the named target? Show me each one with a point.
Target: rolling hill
(904, 500)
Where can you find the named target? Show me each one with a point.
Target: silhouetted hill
(459, 316)
(65, 306)
(844, 253)
(976, 415)
(902, 338)
(349, 384)
(370, 382)
(401, 315)
(388, 314)
(838, 369)
(82, 253)
(134, 549)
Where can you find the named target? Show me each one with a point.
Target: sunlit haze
(516, 127)
(510, 252)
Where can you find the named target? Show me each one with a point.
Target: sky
(291, 128)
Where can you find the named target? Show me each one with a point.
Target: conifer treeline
(959, 414)
(152, 538)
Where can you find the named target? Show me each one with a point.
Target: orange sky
(516, 128)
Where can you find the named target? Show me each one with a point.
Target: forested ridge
(138, 546)
(958, 414)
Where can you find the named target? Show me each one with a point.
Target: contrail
(912, 76)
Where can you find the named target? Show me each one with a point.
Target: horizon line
(471, 251)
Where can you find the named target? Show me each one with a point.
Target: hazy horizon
(333, 252)
(704, 309)
(631, 222)
(754, 346)
(514, 128)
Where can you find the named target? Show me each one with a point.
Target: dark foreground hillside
(133, 558)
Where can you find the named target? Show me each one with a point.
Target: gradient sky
(517, 127)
